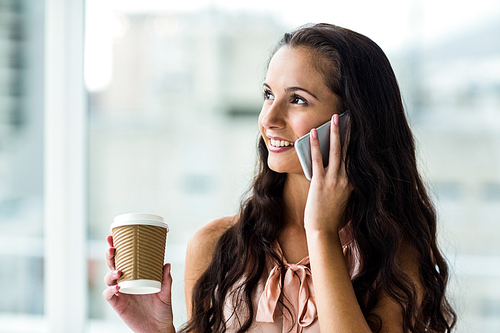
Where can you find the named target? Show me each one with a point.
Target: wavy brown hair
(389, 205)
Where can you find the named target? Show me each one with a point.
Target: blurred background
(172, 92)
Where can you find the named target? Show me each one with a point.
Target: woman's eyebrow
(293, 89)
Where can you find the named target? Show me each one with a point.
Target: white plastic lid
(140, 287)
(138, 219)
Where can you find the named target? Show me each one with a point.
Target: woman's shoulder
(200, 250)
(209, 234)
(202, 243)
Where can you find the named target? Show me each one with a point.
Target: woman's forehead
(294, 67)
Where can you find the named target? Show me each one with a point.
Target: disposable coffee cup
(139, 241)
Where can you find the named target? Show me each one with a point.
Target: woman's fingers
(109, 239)
(111, 277)
(110, 258)
(110, 254)
(317, 159)
(335, 148)
(166, 285)
(110, 292)
(167, 278)
(335, 152)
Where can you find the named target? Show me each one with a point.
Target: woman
(354, 249)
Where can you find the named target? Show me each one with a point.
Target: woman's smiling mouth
(280, 143)
(277, 145)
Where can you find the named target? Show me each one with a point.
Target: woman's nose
(272, 117)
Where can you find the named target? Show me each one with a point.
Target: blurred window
(21, 159)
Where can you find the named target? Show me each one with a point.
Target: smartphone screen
(303, 145)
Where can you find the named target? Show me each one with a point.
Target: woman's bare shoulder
(206, 237)
(201, 245)
(200, 250)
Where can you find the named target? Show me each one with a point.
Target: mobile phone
(303, 145)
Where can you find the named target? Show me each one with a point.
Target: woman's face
(296, 100)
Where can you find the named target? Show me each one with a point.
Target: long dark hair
(389, 206)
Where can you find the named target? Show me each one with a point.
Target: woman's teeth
(281, 143)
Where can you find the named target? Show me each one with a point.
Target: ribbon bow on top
(297, 291)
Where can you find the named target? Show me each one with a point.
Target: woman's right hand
(142, 313)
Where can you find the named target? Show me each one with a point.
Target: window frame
(65, 173)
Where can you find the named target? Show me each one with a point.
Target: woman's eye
(296, 99)
(268, 95)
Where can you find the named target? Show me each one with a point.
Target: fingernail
(314, 133)
(336, 119)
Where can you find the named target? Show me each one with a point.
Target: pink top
(297, 293)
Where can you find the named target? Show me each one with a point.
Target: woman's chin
(280, 168)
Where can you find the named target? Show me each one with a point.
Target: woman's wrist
(168, 329)
(320, 235)
(171, 329)
(325, 227)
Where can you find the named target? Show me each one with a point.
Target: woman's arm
(338, 309)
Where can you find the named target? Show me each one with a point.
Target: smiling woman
(296, 99)
(352, 250)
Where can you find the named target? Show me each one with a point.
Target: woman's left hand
(330, 189)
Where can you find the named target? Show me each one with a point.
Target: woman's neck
(295, 196)
(292, 239)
